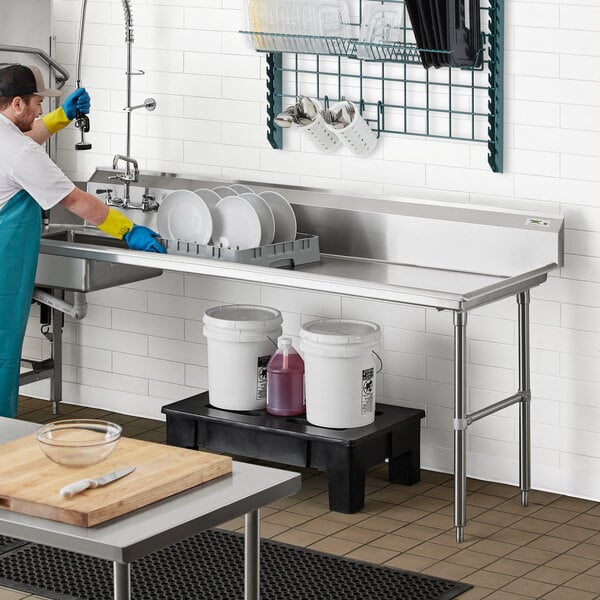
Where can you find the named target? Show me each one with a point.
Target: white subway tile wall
(141, 346)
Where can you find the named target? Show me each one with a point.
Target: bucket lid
(243, 316)
(340, 331)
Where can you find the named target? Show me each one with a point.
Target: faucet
(127, 178)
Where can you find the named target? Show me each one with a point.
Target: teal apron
(20, 228)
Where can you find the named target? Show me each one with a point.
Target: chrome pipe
(252, 556)
(121, 581)
(80, 40)
(460, 424)
(523, 299)
(489, 410)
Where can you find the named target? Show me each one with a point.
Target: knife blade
(84, 484)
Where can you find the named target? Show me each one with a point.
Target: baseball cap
(21, 80)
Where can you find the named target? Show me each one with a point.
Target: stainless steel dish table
(344, 454)
(133, 536)
(448, 257)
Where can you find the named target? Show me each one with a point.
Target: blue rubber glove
(142, 238)
(79, 100)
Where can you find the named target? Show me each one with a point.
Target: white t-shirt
(24, 165)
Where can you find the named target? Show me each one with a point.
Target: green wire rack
(393, 91)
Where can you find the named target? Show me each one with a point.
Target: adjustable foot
(460, 535)
(524, 498)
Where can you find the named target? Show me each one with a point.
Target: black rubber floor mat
(210, 566)
(7, 543)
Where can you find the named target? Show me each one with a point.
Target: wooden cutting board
(30, 481)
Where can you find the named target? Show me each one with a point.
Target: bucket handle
(272, 342)
(380, 362)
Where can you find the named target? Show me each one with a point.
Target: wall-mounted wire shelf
(388, 81)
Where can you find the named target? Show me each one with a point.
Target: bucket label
(367, 398)
(261, 378)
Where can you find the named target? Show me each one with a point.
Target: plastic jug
(285, 381)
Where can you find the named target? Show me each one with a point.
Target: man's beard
(24, 124)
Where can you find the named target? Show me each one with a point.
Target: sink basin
(85, 275)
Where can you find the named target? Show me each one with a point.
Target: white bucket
(241, 339)
(339, 364)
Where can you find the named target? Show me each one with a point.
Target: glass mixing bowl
(78, 442)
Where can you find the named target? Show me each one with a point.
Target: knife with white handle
(84, 484)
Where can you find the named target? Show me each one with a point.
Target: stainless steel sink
(82, 274)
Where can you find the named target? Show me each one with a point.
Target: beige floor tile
(539, 497)
(570, 532)
(425, 503)
(322, 525)
(576, 564)
(404, 513)
(418, 532)
(552, 544)
(499, 518)
(472, 484)
(501, 490)
(514, 536)
(476, 593)
(375, 507)
(493, 547)
(591, 551)
(296, 537)
(502, 595)
(556, 515)
(448, 570)
(334, 545)
(577, 504)
(487, 579)
(270, 530)
(410, 562)
(586, 520)
(483, 500)
(513, 506)
(528, 587)
(436, 521)
(436, 478)
(372, 554)
(534, 525)
(562, 594)
(358, 534)
(285, 518)
(469, 558)
(395, 542)
(507, 566)
(535, 556)
(431, 550)
(381, 523)
(8, 594)
(441, 492)
(585, 582)
(448, 538)
(552, 575)
(308, 508)
(389, 495)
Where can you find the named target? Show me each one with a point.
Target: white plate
(265, 216)
(240, 188)
(224, 191)
(235, 224)
(209, 196)
(286, 226)
(183, 215)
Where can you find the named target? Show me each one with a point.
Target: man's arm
(85, 206)
(39, 132)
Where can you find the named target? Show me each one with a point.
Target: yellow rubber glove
(116, 224)
(56, 120)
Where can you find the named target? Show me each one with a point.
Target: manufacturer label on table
(261, 378)
(368, 387)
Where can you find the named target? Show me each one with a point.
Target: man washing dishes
(29, 183)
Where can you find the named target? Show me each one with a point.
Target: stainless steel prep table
(449, 257)
(133, 536)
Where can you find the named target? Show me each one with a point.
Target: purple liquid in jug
(285, 381)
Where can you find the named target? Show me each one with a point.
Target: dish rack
(283, 255)
(399, 86)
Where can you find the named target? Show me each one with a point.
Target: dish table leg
(121, 581)
(525, 404)
(252, 556)
(460, 425)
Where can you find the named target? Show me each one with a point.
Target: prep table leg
(252, 556)
(525, 404)
(121, 581)
(460, 425)
(56, 379)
